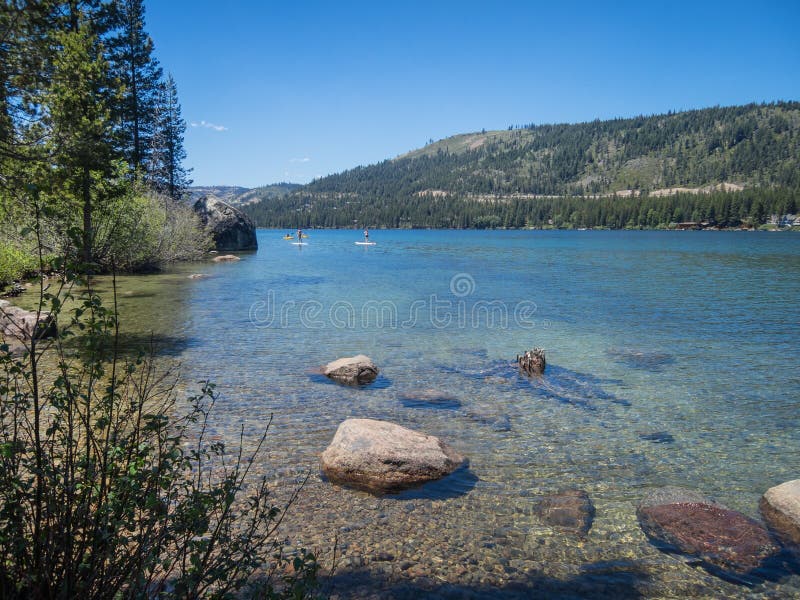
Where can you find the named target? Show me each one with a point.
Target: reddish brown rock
(722, 538)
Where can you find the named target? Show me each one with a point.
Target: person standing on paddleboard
(299, 235)
(366, 235)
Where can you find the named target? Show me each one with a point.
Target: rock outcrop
(231, 229)
(570, 510)
(780, 507)
(353, 370)
(382, 457)
(683, 520)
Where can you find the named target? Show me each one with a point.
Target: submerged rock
(429, 398)
(353, 370)
(230, 228)
(382, 457)
(199, 275)
(657, 437)
(226, 258)
(780, 507)
(19, 324)
(495, 421)
(571, 510)
(640, 359)
(682, 520)
(562, 385)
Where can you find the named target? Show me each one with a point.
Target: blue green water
(672, 359)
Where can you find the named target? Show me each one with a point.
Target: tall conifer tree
(168, 174)
(132, 62)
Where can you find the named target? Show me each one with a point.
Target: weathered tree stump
(532, 362)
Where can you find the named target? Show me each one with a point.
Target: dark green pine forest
(726, 166)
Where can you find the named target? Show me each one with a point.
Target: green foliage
(142, 230)
(109, 486)
(15, 264)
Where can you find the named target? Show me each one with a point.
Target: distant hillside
(228, 193)
(502, 178)
(267, 192)
(237, 195)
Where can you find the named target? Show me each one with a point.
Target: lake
(672, 360)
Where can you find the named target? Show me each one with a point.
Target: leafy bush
(143, 231)
(15, 263)
(106, 491)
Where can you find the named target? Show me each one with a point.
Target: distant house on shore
(787, 220)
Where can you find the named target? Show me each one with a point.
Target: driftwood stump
(532, 362)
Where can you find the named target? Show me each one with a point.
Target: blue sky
(289, 91)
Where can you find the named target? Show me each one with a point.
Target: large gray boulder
(230, 227)
(20, 324)
(677, 519)
(780, 507)
(353, 370)
(381, 457)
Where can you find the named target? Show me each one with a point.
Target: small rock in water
(683, 520)
(354, 370)
(226, 258)
(532, 362)
(199, 276)
(780, 506)
(384, 557)
(657, 437)
(571, 510)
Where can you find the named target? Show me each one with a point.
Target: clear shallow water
(672, 359)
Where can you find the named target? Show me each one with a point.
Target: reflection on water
(672, 360)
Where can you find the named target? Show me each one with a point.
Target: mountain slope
(237, 195)
(751, 147)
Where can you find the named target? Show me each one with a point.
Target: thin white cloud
(208, 125)
(300, 160)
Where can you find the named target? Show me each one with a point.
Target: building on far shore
(787, 220)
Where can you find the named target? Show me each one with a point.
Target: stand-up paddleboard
(366, 243)
(299, 243)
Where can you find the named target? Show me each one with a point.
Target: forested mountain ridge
(750, 147)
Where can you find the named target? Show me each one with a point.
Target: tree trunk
(87, 216)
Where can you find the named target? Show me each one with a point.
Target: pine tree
(130, 55)
(167, 173)
(77, 105)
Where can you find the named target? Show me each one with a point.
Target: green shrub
(109, 487)
(15, 263)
